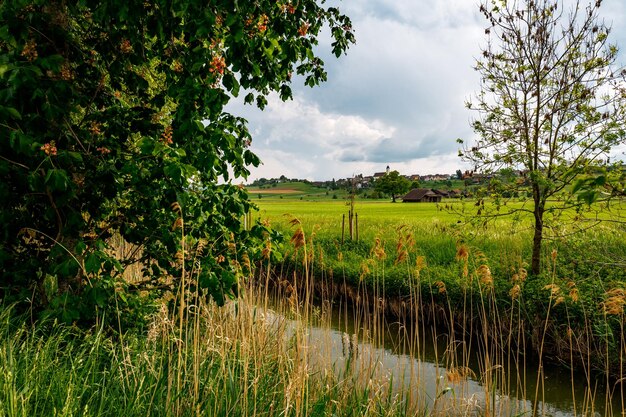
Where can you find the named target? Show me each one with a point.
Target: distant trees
(392, 183)
(551, 103)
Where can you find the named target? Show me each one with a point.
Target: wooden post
(356, 225)
(343, 226)
(350, 225)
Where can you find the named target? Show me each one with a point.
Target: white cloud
(396, 98)
(298, 140)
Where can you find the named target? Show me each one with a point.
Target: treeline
(262, 182)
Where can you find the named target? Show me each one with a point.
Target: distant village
(424, 188)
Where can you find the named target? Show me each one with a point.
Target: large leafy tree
(551, 103)
(112, 125)
(393, 184)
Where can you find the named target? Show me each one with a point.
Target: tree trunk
(538, 236)
(393, 198)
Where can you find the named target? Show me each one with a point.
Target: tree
(113, 125)
(392, 183)
(551, 103)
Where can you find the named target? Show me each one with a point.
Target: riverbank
(271, 354)
(237, 360)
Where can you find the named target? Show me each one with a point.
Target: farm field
(294, 191)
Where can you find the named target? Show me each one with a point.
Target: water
(416, 365)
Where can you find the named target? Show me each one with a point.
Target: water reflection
(420, 368)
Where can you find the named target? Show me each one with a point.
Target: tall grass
(487, 322)
(237, 360)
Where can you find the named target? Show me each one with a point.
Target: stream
(415, 368)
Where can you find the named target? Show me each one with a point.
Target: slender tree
(551, 103)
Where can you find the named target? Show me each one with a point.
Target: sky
(397, 98)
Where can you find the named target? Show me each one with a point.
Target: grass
(258, 356)
(238, 361)
(459, 298)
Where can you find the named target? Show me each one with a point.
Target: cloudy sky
(397, 97)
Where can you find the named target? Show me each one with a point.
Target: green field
(435, 230)
(376, 210)
(294, 191)
(307, 192)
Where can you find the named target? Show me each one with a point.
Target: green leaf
(80, 247)
(67, 268)
(98, 296)
(589, 197)
(11, 112)
(200, 125)
(57, 180)
(21, 143)
(92, 263)
(174, 172)
(578, 185)
(75, 156)
(146, 145)
(52, 62)
(231, 84)
(177, 152)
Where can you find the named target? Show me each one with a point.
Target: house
(421, 195)
(382, 174)
(434, 177)
(442, 193)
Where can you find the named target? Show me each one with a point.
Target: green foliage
(393, 184)
(112, 114)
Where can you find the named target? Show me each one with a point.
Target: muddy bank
(465, 321)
